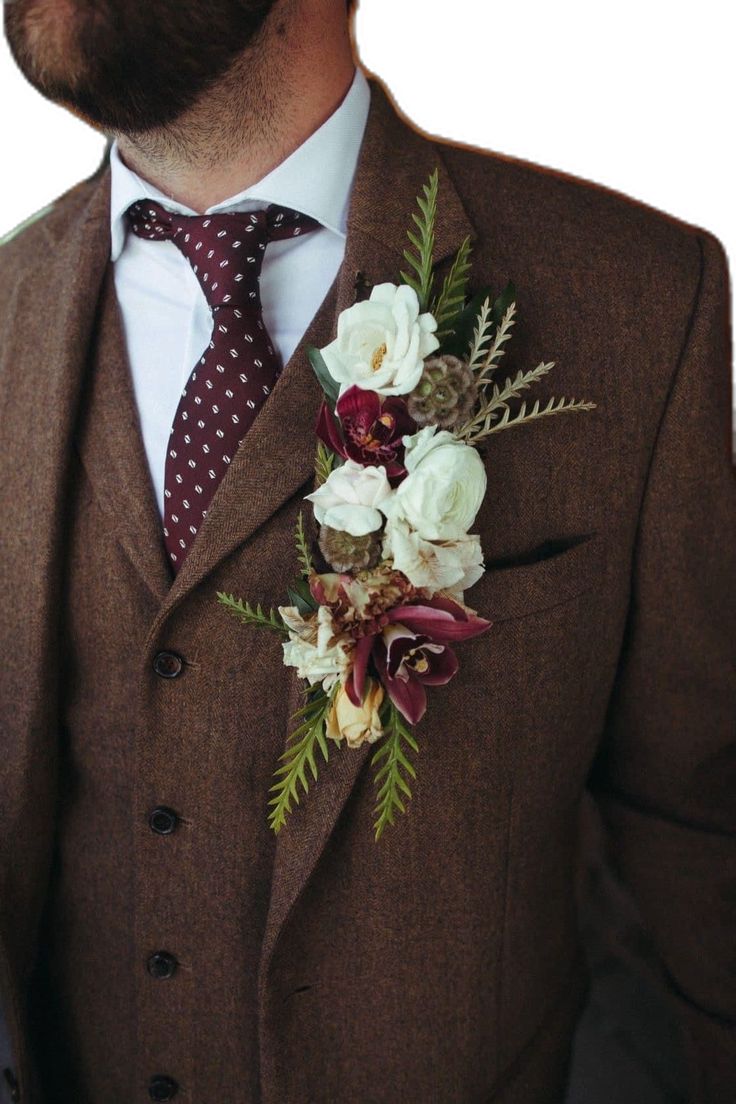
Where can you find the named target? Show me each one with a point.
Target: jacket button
(162, 965)
(162, 820)
(13, 1086)
(162, 1088)
(168, 665)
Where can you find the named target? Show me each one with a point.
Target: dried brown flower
(445, 395)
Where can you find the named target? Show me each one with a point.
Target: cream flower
(381, 343)
(444, 487)
(314, 647)
(350, 497)
(433, 565)
(356, 724)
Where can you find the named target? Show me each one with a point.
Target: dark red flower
(369, 430)
(406, 663)
(412, 651)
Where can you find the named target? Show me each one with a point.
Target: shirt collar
(316, 179)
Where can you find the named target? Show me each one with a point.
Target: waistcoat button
(168, 665)
(163, 820)
(162, 1088)
(162, 965)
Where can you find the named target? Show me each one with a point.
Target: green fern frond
(300, 756)
(421, 256)
(392, 764)
(451, 300)
(302, 547)
(250, 616)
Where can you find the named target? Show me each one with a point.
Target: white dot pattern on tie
(238, 370)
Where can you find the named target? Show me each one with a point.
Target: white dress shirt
(166, 319)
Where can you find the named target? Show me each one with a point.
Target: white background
(634, 94)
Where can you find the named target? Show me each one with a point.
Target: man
(157, 941)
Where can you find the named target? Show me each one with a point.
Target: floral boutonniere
(373, 620)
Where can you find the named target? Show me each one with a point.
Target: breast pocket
(550, 574)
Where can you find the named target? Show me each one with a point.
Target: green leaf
(421, 256)
(330, 386)
(503, 302)
(250, 616)
(448, 305)
(291, 775)
(301, 596)
(393, 765)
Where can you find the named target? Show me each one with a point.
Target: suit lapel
(47, 354)
(394, 164)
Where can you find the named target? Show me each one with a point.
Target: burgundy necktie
(237, 371)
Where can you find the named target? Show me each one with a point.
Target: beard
(130, 66)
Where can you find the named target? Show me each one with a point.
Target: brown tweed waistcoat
(442, 964)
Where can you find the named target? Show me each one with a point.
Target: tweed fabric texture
(443, 964)
(200, 893)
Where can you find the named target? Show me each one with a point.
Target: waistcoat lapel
(112, 451)
(395, 163)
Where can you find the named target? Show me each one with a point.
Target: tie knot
(225, 250)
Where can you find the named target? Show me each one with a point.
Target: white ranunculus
(314, 648)
(433, 565)
(444, 487)
(382, 343)
(350, 497)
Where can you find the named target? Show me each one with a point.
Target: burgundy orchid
(369, 430)
(412, 651)
(406, 663)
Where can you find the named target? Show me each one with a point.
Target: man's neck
(270, 102)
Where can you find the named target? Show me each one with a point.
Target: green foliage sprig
(421, 256)
(324, 464)
(300, 755)
(451, 300)
(494, 412)
(302, 547)
(487, 348)
(392, 764)
(253, 616)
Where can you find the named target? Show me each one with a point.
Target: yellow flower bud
(356, 724)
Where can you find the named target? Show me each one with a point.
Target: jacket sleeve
(665, 777)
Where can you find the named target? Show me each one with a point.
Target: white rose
(381, 344)
(445, 565)
(314, 648)
(444, 487)
(350, 497)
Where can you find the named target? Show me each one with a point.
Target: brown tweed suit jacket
(442, 964)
